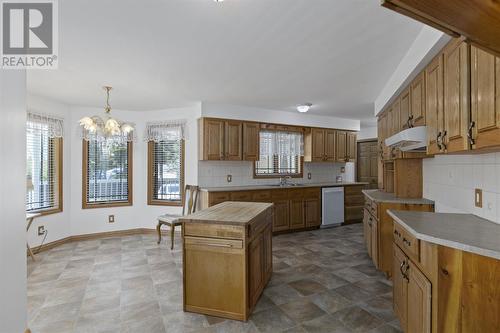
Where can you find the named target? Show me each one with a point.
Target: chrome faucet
(284, 180)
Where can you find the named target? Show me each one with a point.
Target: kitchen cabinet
(353, 203)
(367, 233)
(311, 212)
(320, 145)
(396, 114)
(400, 287)
(230, 246)
(341, 137)
(281, 215)
(475, 20)
(434, 105)
(251, 141)
(419, 301)
(351, 145)
(297, 218)
(456, 97)
(417, 99)
(220, 139)
(485, 99)
(405, 109)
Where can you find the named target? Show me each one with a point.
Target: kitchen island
(227, 258)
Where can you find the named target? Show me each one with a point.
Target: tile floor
(323, 281)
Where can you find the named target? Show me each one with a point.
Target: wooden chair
(190, 200)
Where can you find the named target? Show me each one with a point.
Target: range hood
(411, 139)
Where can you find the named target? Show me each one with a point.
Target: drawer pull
(216, 245)
(407, 242)
(444, 271)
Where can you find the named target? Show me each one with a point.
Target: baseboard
(97, 235)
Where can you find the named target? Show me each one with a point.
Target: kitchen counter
(464, 232)
(380, 196)
(229, 212)
(273, 187)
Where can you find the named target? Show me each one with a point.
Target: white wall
(13, 298)
(450, 181)
(425, 47)
(367, 132)
(274, 116)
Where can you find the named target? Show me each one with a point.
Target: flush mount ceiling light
(304, 107)
(98, 127)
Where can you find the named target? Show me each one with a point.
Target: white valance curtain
(50, 125)
(166, 130)
(279, 143)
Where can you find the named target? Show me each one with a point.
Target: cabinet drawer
(408, 243)
(312, 193)
(241, 196)
(211, 230)
(261, 195)
(218, 197)
(190, 242)
(354, 200)
(279, 194)
(353, 190)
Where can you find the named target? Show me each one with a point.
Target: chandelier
(98, 127)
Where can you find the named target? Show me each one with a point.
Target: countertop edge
(271, 187)
(446, 242)
(414, 201)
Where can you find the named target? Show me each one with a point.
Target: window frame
(276, 175)
(106, 204)
(156, 202)
(58, 156)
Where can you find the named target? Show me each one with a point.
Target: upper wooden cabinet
(251, 141)
(485, 97)
(351, 147)
(405, 109)
(434, 105)
(320, 145)
(476, 20)
(341, 138)
(456, 97)
(228, 140)
(417, 98)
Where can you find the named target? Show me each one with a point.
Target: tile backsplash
(451, 180)
(214, 173)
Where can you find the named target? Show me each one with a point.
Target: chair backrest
(190, 199)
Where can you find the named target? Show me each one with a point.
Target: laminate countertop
(381, 196)
(464, 232)
(229, 212)
(276, 187)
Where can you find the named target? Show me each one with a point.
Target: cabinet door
(405, 109)
(351, 146)
(396, 114)
(213, 139)
(380, 153)
(256, 268)
(485, 87)
(251, 141)
(297, 220)
(367, 232)
(281, 216)
(419, 302)
(311, 207)
(374, 240)
(434, 104)
(330, 145)
(233, 146)
(418, 100)
(400, 287)
(390, 121)
(341, 146)
(268, 253)
(456, 97)
(318, 145)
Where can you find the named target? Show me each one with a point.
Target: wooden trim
(297, 175)
(98, 235)
(155, 202)
(129, 202)
(367, 140)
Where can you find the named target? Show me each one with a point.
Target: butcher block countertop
(464, 232)
(275, 187)
(229, 213)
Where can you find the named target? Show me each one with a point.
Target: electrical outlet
(342, 169)
(309, 176)
(111, 219)
(41, 230)
(478, 198)
(229, 178)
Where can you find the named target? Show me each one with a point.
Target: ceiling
(336, 54)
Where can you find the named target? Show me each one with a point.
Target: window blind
(280, 153)
(166, 161)
(42, 163)
(107, 171)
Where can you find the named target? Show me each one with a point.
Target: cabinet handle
(409, 122)
(438, 141)
(469, 133)
(216, 245)
(442, 140)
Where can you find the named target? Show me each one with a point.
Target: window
(165, 164)
(280, 154)
(107, 172)
(43, 164)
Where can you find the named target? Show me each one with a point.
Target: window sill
(164, 203)
(106, 204)
(300, 175)
(45, 212)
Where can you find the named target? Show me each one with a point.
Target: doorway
(367, 163)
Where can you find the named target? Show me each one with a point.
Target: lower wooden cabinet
(312, 209)
(400, 287)
(297, 219)
(281, 215)
(371, 234)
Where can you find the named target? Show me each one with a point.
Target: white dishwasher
(332, 208)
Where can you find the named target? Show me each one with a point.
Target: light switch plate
(229, 178)
(478, 198)
(41, 230)
(309, 176)
(111, 219)
(342, 169)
